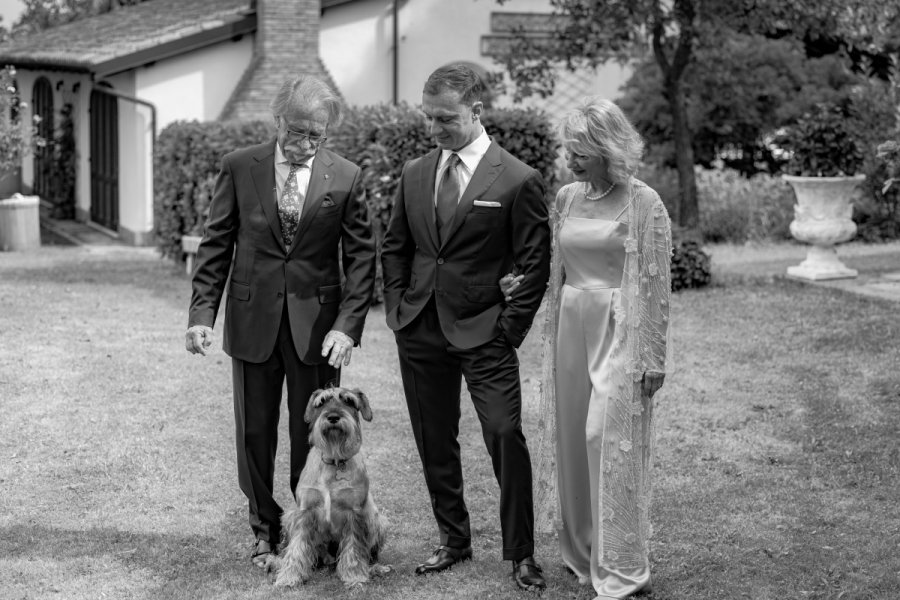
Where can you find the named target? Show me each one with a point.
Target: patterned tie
(290, 205)
(447, 196)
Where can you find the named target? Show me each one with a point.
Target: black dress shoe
(444, 558)
(262, 554)
(528, 575)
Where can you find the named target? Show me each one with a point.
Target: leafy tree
(737, 92)
(593, 32)
(43, 14)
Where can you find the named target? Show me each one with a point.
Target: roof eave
(208, 37)
(40, 64)
(234, 29)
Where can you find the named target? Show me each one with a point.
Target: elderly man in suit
(285, 218)
(464, 215)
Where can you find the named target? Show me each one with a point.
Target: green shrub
(186, 160)
(737, 209)
(380, 139)
(527, 135)
(691, 266)
(823, 142)
(875, 210)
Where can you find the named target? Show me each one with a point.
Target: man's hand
(339, 345)
(198, 339)
(509, 283)
(651, 382)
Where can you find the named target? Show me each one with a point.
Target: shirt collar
(281, 159)
(470, 155)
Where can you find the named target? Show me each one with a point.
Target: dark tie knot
(453, 161)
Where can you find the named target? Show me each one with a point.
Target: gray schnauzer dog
(334, 508)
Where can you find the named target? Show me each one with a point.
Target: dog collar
(340, 465)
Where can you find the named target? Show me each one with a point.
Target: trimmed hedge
(186, 160)
(379, 138)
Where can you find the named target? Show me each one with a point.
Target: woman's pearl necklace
(601, 194)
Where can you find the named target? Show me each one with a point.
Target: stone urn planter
(189, 245)
(822, 218)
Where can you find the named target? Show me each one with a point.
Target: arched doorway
(104, 159)
(42, 105)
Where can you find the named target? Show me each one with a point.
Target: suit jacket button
(280, 294)
(440, 261)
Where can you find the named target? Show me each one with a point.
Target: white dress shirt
(283, 169)
(469, 157)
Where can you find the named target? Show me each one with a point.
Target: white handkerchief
(488, 203)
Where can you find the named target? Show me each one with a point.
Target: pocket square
(327, 202)
(488, 203)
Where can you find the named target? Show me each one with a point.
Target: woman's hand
(651, 382)
(508, 284)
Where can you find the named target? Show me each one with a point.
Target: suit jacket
(500, 225)
(243, 237)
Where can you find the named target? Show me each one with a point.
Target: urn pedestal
(822, 218)
(189, 245)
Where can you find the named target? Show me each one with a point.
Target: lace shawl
(642, 319)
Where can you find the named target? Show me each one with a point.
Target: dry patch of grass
(776, 473)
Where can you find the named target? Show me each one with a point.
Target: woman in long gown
(606, 340)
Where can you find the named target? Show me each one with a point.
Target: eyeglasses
(314, 140)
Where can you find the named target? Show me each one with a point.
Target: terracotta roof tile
(96, 40)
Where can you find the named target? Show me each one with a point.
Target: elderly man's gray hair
(307, 92)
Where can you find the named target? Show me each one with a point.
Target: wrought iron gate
(104, 159)
(42, 105)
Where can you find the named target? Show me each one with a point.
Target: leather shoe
(444, 558)
(262, 554)
(528, 575)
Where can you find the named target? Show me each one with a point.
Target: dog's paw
(287, 581)
(272, 564)
(355, 587)
(378, 570)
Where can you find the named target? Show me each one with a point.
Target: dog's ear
(312, 405)
(364, 409)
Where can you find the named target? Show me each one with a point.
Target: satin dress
(593, 255)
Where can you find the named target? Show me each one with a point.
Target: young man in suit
(464, 215)
(285, 216)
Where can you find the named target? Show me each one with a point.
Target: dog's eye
(348, 400)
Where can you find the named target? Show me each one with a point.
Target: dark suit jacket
(243, 236)
(501, 224)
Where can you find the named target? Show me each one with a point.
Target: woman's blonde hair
(598, 127)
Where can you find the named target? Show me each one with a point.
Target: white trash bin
(20, 223)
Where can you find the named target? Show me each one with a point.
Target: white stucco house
(127, 74)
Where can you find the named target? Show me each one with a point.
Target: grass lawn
(777, 456)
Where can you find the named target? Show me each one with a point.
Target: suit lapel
(423, 212)
(321, 179)
(487, 171)
(263, 173)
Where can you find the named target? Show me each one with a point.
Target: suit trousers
(432, 370)
(257, 406)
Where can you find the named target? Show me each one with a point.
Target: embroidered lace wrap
(642, 327)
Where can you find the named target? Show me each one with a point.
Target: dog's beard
(340, 440)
